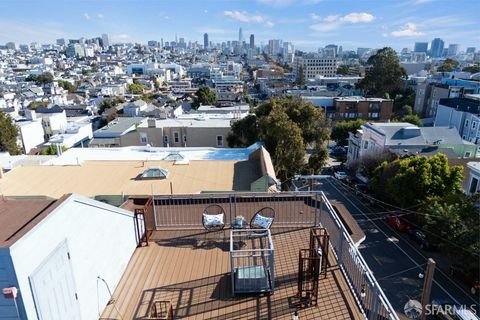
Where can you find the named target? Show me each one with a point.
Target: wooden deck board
(192, 270)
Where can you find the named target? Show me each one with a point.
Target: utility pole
(427, 285)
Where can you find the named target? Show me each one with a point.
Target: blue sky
(309, 24)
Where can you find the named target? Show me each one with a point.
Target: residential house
(462, 114)
(54, 119)
(473, 178)
(406, 139)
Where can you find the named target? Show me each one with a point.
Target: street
(394, 260)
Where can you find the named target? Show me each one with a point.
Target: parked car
(340, 175)
(421, 238)
(398, 223)
(468, 277)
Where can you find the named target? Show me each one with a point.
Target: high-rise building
(471, 50)
(240, 36)
(274, 47)
(420, 47)
(453, 49)
(10, 45)
(313, 65)
(61, 42)
(205, 40)
(436, 49)
(105, 41)
(252, 41)
(332, 50)
(161, 42)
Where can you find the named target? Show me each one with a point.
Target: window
(165, 139)
(473, 185)
(184, 138)
(466, 123)
(467, 154)
(365, 146)
(176, 137)
(143, 137)
(219, 141)
(474, 124)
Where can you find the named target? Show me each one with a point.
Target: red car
(398, 223)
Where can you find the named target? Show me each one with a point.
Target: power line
(413, 224)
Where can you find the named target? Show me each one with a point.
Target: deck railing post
(373, 314)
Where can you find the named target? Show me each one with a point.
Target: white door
(53, 287)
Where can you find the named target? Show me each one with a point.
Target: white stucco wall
(101, 241)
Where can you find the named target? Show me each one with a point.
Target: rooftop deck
(191, 268)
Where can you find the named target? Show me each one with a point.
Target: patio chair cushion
(261, 222)
(213, 220)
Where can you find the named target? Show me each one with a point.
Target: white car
(340, 175)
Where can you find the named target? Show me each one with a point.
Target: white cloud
(269, 24)
(276, 3)
(205, 11)
(331, 18)
(315, 16)
(244, 16)
(100, 16)
(333, 22)
(86, 16)
(356, 17)
(409, 30)
(422, 1)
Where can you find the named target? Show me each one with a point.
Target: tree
(411, 181)
(136, 88)
(385, 74)
(286, 125)
(472, 69)
(448, 65)
(413, 119)
(67, 85)
(42, 79)
(52, 150)
(35, 104)
(318, 159)
(343, 70)
(340, 131)
(244, 132)
(301, 77)
(454, 225)
(283, 139)
(8, 135)
(204, 96)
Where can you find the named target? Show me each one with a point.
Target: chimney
(151, 122)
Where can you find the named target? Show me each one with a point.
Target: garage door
(53, 287)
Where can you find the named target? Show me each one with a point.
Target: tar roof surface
(17, 217)
(121, 177)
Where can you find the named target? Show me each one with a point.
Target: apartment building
(351, 108)
(314, 65)
(462, 114)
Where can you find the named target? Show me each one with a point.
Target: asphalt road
(393, 258)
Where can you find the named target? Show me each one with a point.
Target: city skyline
(309, 24)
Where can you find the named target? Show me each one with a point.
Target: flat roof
(93, 178)
(201, 121)
(117, 127)
(18, 216)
